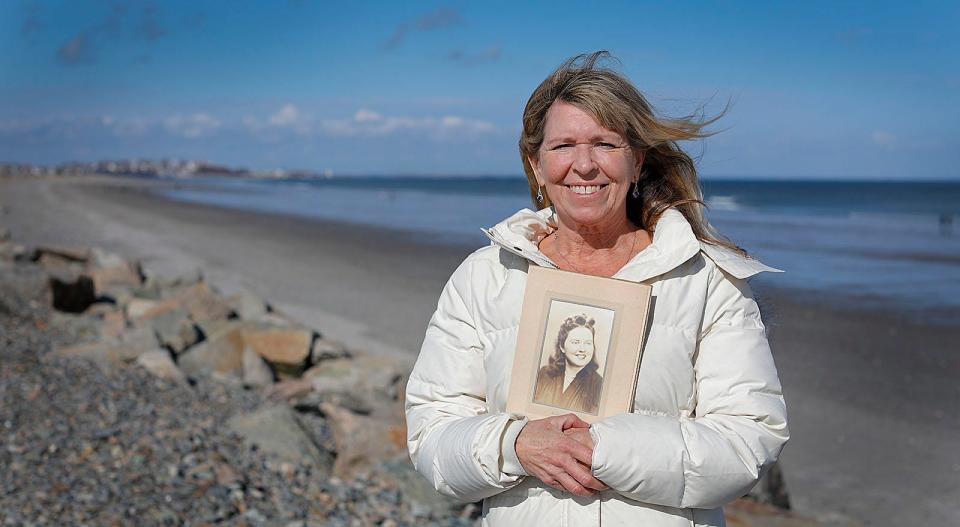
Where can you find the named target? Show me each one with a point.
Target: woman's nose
(583, 159)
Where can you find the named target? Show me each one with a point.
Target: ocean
(887, 245)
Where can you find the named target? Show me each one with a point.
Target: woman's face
(578, 346)
(585, 168)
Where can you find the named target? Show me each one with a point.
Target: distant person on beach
(616, 197)
(570, 379)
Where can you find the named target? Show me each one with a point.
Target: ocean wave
(728, 203)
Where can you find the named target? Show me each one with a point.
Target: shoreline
(872, 397)
(766, 284)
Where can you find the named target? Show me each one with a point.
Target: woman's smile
(586, 190)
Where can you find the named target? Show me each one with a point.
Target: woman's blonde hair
(669, 177)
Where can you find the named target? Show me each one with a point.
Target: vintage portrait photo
(573, 356)
(579, 345)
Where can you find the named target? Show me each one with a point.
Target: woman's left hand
(580, 435)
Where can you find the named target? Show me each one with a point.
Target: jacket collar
(673, 244)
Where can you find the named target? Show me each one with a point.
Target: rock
(199, 300)
(423, 499)
(174, 330)
(158, 282)
(256, 372)
(54, 255)
(225, 474)
(137, 307)
(120, 295)
(159, 363)
(99, 309)
(12, 251)
(123, 275)
(212, 329)
(277, 319)
(373, 377)
(99, 258)
(109, 269)
(247, 305)
(73, 296)
(80, 328)
(325, 349)
(286, 348)
(141, 338)
(127, 348)
(276, 430)
(20, 285)
(112, 324)
(221, 354)
(362, 441)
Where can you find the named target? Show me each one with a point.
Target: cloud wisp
(364, 123)
(32, 19)
(83, 47)
(467, 58)
(192, 126)
(439, 18)
(368, 123)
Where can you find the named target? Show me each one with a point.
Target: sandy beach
(873, 399)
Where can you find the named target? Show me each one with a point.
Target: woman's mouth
(585, 190)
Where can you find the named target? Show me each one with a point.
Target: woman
(570, 379)
(617, 197)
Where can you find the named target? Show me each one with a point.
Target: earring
(539, 194)
(636, 189)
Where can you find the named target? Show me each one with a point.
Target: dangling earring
(539, 194)
(636, 189)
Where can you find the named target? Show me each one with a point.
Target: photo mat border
(630, 301)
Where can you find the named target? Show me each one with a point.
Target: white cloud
(364, 115)
(288, 115)
(364, 122)
(192, 126)
(368, 123)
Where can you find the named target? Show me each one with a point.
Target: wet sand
(873, 397)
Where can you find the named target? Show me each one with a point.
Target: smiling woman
(617, 198)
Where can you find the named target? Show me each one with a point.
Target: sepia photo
(573, 356)
(579, 345)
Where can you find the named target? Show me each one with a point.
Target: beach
(872, 395)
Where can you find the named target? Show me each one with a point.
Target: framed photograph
(579, 345)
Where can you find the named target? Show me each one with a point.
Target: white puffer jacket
(708, 415)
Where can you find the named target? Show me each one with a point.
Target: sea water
(862, 244)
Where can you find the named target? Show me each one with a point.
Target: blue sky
(819, 89)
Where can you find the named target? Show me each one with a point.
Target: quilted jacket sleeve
(738, 429)
(453, 440)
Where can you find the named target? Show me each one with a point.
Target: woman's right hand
(548, 454)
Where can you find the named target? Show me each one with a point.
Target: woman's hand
(560, 460)
(580, 435)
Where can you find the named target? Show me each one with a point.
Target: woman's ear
(535, 166)
(640, 155)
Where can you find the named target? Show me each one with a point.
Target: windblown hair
(557, 363)
(668, 178)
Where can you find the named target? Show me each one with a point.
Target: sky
(836, 90)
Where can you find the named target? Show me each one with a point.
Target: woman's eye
(606, 145)
(561, 146)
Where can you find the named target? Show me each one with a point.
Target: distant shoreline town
(177, 168)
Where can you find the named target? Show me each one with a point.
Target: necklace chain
(633, 246)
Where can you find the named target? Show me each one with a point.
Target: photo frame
(579, 345)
